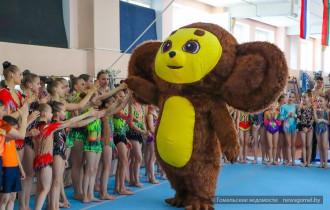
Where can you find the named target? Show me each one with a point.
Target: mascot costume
(191, 77)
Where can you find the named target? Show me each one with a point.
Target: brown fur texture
(247, 77)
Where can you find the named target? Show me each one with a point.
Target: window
(306, 55)
(142, 3)
(264, 35)
(184, 15)
(241, 32)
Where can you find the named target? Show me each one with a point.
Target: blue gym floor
(234, 179)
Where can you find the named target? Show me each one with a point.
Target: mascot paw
(175, 202)
(199, 206)
(231, 152)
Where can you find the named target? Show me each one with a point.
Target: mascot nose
(172, 54)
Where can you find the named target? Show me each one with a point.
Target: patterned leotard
(93, 143)
(76, 134)
(136, 128)
(120, 127)
(321, 127)
(244, 123)
(12, 106)
(44, 144)
(272, 122)
(305, 117)
(289, 123)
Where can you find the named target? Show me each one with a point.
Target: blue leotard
(290, 123)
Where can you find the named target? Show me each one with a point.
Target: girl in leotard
(288, 114)
(135, 132)
(244, 126)
(258, 129)
(150, 152)
(30, 86)
(321, 129)
(44, 145)
(281, 144)
(305, 122)
(272, 123)
(122, 145)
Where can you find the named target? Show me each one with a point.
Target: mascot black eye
(191, 47)
(166, 46)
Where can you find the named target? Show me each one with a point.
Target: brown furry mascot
(191, 77)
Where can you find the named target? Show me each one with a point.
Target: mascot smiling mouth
(174, 67)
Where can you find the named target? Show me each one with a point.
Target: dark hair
(101, 72)
(73, 81)
(43, 107)
(319, 78)
(28, 78)
(105, 101)
(308, 92)
(56, 106)
(326, 97)
(10, 120)
(280, 98)
(9, 68)
(3, 84)
(52, 85)
(85, 77)
(2, 103)
(46, 79)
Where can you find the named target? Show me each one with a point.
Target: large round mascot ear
(140, 72)
(259, 75)
(142, 60)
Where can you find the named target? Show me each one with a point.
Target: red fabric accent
(325, 23)
(51, 128)
(41, 161)
(19, 143)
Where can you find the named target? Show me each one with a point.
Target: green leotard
(93, 143)
(76, 134)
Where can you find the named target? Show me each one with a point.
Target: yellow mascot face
(187, 56)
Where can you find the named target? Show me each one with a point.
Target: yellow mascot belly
(175, 133)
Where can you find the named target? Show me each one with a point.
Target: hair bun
(26, 72)
(6, 64)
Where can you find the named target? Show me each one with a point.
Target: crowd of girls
(276, 128)
(52, 124)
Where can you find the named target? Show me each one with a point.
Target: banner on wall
(325, 24)
(303, 19)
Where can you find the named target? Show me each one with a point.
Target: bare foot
(93, 199)
(254, 162)
(78, 197)
(269, 163)
(304, 165)
(308, 165)
(124, 192)
(294, 164)
(320, 166)
(154, 181)
(226, 161)
(264, 162)
(97, 188)
(64, 205)
(141, 175)
(136, 185)
(106, 196)
(326, 166)
(287, 164)
(275, 163)
(245, 162)
(85, 200)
